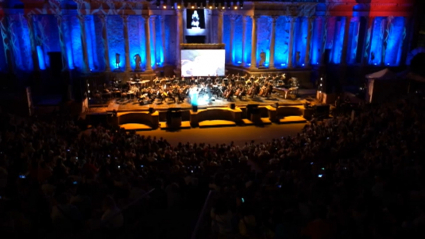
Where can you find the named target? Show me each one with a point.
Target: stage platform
(124, 105)
(259, 111)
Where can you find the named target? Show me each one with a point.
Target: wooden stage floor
(122, 105)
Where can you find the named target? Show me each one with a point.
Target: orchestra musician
(226, 87)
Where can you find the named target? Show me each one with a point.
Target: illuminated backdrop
(377, 33)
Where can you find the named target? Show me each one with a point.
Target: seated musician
(269, 89)
(240, 91)
(229, 93)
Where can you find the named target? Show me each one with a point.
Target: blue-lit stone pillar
(406, 39)
(385, 39)
(5, 33)
(345, 43)
(291, 40)
(162, 21)
(254, 42)
(147, 44)
(367, 41)
(220, 26)
(126, 43)
(272, 41)
(59, 19)
(30, 20)
(244, 18)
(82, 19)
(179, 35)
(102, 18)
(308, 44)
(232, 35)
(324, 40)
(152, 19)
(210, 27)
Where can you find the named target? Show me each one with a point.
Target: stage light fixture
(165, 7)
(236, 7)
(193, 7)
(210, 7)
(178, 6)
(223, 7)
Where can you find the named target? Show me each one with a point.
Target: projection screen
(203, 62)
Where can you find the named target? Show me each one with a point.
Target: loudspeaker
(252, 109)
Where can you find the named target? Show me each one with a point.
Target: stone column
(244, 18)
(345, 43)
(30, 19)
(59, 19)
(254, 42)
(82, 19)
(291, 41)
(126, 43)
(179, 33)
(147, 44)
(210, 27)
(162, 20)
(311, 21)
(105, 42)
(232, 35)
(272, 42)
(5, 34)
(324, 39)
(407, 33)
(385, 40)
(367, 41)
(153, 32)
(220, 26)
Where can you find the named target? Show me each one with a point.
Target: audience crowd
(356, 175)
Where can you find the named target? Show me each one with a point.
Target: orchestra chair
(123, 95)
(131, 95)
(116, 93)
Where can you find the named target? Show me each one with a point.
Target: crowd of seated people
(343, 177)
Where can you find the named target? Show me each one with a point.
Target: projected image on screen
(202, 62)
(195, 19)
